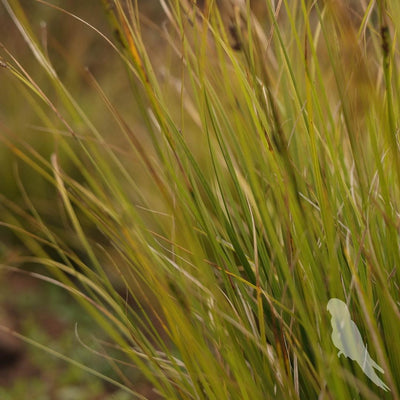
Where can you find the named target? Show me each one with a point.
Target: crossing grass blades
(255, 177)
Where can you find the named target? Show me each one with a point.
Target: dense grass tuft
(249, 173)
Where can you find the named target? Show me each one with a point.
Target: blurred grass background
(37, 309)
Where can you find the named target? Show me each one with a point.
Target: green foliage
(254, 175)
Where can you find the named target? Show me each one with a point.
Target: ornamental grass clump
(249, 173)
